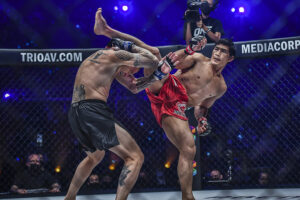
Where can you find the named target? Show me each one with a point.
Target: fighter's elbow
(155, 62)
(155, 51)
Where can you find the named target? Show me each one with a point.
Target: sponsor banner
(43, 56)
(268, 47)
(248, 49)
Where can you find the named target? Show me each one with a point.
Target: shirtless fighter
(91, 119)
(198, 83)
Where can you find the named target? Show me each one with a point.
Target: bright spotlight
(6, 95)
(241, 9)
(116, 8)
(125, 8)
(233, 10)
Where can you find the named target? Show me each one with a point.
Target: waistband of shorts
(88, 101)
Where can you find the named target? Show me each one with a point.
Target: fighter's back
(94, 76)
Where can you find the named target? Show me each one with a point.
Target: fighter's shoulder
(200, 57)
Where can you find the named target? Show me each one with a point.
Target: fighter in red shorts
(197, 83)
(171, 100)
(201, 82)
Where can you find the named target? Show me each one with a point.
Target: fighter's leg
(83, 170)
(133, 158)
(102, 28)
(179, 134)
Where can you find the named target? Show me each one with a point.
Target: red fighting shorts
(171, 100)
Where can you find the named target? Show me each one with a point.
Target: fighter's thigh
(178, 131)
(155, 87)
(128, 147)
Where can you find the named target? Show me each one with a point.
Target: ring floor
(243, 194)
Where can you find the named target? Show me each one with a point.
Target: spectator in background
(197, 24)
(93, 183)
(33, 178)
(263, 179)
(215, 175)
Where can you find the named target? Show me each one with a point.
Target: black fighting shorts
(93, 124)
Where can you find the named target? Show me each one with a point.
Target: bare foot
(100, 26)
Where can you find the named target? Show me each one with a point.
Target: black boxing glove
(124, 45)
(192, 43)
(202, 123)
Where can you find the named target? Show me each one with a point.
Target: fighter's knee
(140, 158)
(136, 158)
(189, 150)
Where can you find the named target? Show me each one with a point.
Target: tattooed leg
(123, 175)
(127, 178)
(133, 158)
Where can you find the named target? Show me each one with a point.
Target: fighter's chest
(199, 77)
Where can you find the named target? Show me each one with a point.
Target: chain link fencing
(255, 141)
(255, 128)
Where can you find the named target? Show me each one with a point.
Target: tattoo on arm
(142, 61)
(78, 93)
(98, 54)
(123, 175)
(143, 52)
(139, 59)
(124, 55)
(144, 82)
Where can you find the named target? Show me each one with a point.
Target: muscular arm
(148, 54)
(122, 57)
(142, 51)
(135, 85)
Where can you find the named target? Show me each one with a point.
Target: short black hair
(229, 43)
